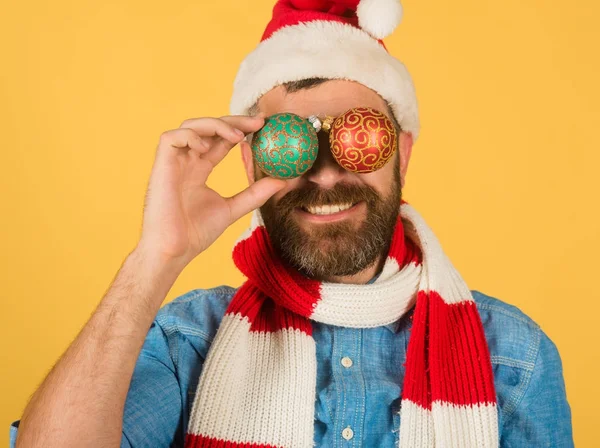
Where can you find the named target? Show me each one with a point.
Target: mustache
(312, 195)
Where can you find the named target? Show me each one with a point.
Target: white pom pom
(379, 18)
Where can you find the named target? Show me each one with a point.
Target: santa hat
(334, 39)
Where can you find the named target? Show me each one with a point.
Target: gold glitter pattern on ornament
(286, 146)
(363, 140)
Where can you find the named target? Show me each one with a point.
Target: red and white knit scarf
(257, 386)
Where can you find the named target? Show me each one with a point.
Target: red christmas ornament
(363, 139)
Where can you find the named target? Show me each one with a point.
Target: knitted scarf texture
(257, 386)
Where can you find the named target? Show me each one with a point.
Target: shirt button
(346, 362)
(347, 433)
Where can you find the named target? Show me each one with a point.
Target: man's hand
(80, 403)
(182, 215)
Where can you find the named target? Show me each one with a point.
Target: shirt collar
(393, 327)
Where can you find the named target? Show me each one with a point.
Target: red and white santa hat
(335, 39)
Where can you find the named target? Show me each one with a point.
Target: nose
(325, 172)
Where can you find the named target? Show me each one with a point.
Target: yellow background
(505, 170)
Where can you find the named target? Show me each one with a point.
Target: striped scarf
(257, 386)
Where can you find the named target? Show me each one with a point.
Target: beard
(336, 248)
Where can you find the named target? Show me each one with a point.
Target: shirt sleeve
(153, 408)
(12, 438)
(543, 417)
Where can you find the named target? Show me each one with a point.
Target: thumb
(254, 196)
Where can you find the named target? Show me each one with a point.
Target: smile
(328, 213)
(327, 209)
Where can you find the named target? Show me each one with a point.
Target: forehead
(329, 98)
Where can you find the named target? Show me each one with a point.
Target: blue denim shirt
(365, 396)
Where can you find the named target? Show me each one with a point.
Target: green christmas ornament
(286, 146)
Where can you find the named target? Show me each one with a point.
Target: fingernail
(240, 133)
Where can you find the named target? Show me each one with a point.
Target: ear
(248, 160)
(405, 144)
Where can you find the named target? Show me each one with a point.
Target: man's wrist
(145, 277)
(154, 263)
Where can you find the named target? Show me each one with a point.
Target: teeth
(328, 209)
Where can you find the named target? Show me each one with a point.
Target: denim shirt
(363, 394)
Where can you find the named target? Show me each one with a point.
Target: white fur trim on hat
(379, 18)
(331, 50)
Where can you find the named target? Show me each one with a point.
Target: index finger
(204, 125)
(220, 147)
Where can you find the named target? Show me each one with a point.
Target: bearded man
(353, 328)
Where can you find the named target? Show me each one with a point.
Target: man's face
(303, 221)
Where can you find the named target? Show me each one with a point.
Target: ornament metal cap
(315, 122)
